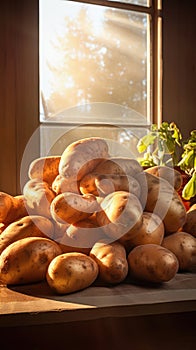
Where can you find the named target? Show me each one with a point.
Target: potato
(190, 223)
(183, 245)
(2, 228)
(121, 216)
(38, 197)
(71, 272)
(152, 263)
(70, 207)
(172, 175)
(164, 201)
(28, 226)
(45, 168)
(112, 262)
(151, 231)
(82, 156)
(11, 207)
(26, 260)
(118, 166)
(102, 185)
(78, 237)
(62, 184)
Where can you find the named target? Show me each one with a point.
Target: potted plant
(164, 145)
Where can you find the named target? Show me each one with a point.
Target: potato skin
(82, 156)
(102, 185)
(11, 207)
(62, 184)
(190, 223)
(172, 175)
(112, 262)
(151, 231)
(118, 166)
(121, 215)
(26, 260)
(28, 226)
(152, 263)
(162, 199)
(38, 196)
(183, 245)
(70, 207)
(71, 272)
(45, 168)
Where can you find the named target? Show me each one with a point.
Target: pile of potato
(86, 216)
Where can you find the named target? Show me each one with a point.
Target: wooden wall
(19, 86)
(179, 63)
(19, 92)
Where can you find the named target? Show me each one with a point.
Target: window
(92, 54)
(98, 63)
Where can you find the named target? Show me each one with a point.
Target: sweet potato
(38, 196)
(82, 156)
(152, 263)
(172, 175)
(111, 259)
(102, 185)
(28, 226)
(70, 207)
(45, 168)
(71, 272)
(163, 200)
(183, 245)
(120, 216)
(27, 260)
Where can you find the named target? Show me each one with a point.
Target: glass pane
(135, 2)
(94, 61)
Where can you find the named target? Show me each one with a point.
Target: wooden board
(37, 304)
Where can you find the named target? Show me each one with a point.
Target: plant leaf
(189, 189)
(146, 141)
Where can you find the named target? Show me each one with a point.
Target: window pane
(92, 57)
(135, 2)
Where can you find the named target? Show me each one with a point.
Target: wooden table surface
(37, 304)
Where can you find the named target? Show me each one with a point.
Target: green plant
(165, 142)
(188, 165)
(164, 146)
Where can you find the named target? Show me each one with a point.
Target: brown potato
(78, 237)
(151, 231)
(70, 207)
(162, 199)
(102, 185)
(82, 156)
(183, 245)
(172, 175)
(71, 272)
(38, 196)
(62, 184)
(152, 263)
(112, 262)
(118, 166)
(27, 260)
(190, 223)
(45, 169)
(121, 216)
(28, 226)
(11, 207)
